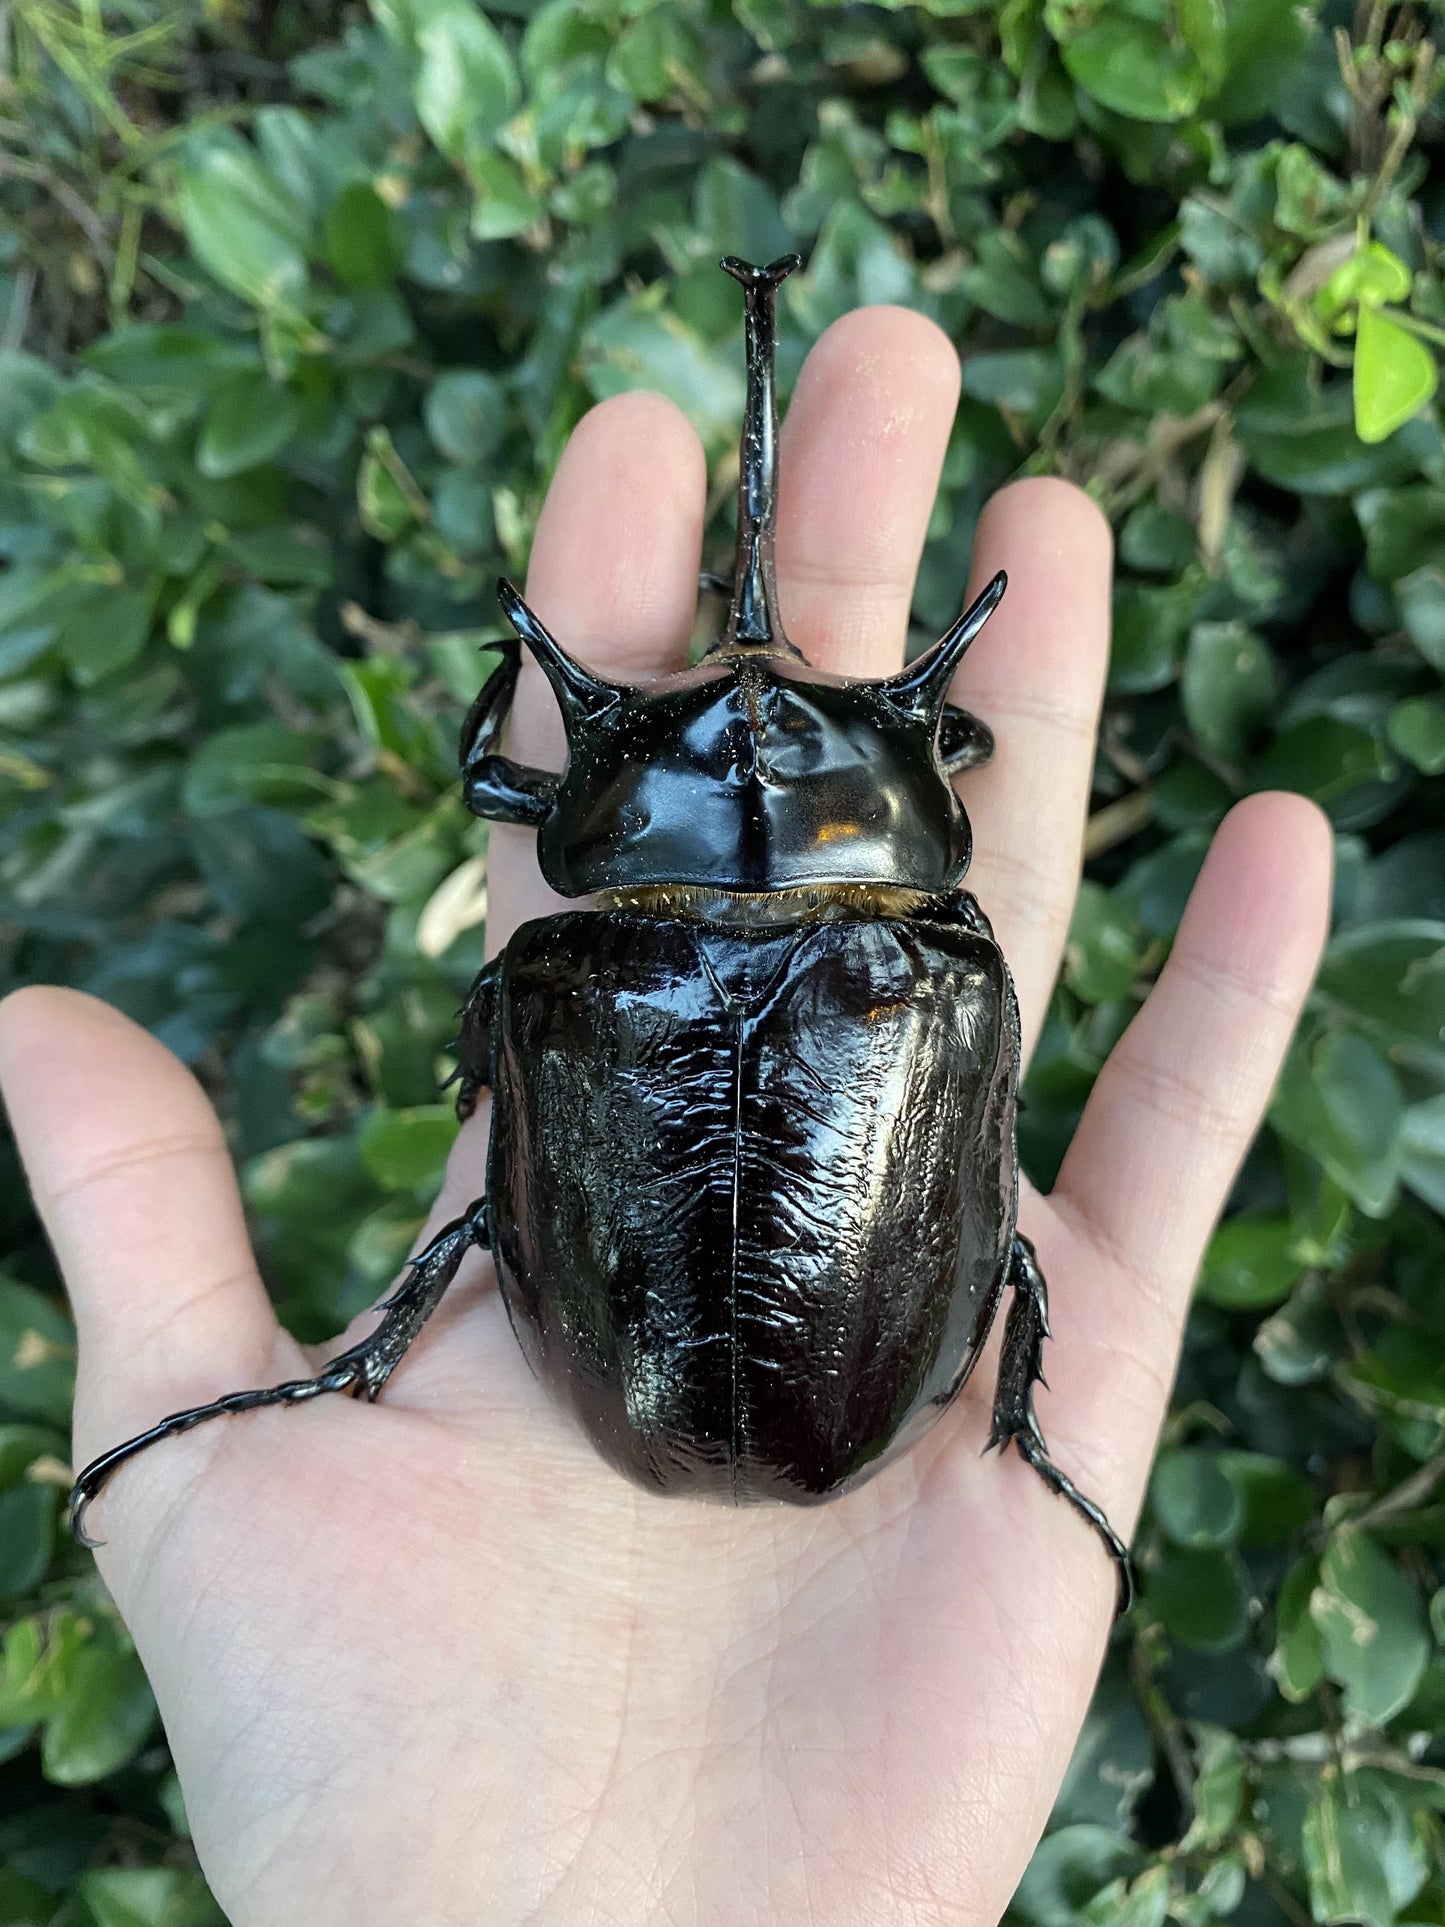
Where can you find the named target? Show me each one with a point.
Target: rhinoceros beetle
(752, 1184)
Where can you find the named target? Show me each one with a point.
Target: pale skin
(430, 1660)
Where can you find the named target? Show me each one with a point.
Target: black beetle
(752, 1183)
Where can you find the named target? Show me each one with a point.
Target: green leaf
(148, 1897)
(1201, 1596)
(1420, 597)
(1321, 757)
(1338, 1098)
(1229, 687)
(1144, 1903)
(249, 420)
(1417, 729)
(1137, 67)
(1363, 1858)
(240, 223)
(407, 1150)
(1068, 1868)
(1218, 1785)
(1404, 529)
(252, 763)
(658, 56)
(1301, 436)
(1395, 375)
(466, 85)
(1372, 1627)
(360, 237)
(1370, 277)
(1277, 1501)
(1298, 1660)
(640, 344)
(738, 211)
(1102, 955)
(1389, 978)
(466, 414)
(1150, 624)
(1113, 1762)
(1250, 1264)
(1266, 43)
(1194, 1501)
(1295, 1346)
(1004, 282)
(388, 508)
(37, 1354)
(504, 204)
(1028, 382)
(104, 630)
(37, 1665)
(27, 1533)
(105, 1718)
(1422, 1151)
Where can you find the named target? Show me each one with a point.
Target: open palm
(431, 1661)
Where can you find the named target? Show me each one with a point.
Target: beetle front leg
(473, 1043)
(1020, 1369)
(493, 785)
(359, 1372)
(964, 741)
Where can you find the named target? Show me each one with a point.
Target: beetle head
(753, 771)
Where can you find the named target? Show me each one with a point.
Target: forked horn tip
(753, 276)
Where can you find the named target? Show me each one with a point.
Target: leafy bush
(296, 312)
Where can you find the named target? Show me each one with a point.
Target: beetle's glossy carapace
(753, 1190)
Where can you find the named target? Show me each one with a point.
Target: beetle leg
(359, 1372)
(1020, 1369)
(473, 1043)
(963, 741)
(492, 785)
(967, 910)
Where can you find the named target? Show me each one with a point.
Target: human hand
(431, 1661)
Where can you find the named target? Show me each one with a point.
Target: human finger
(860, 453)
(134, 1184)
(1181, 1096)
(1036, 677)
(613, 575)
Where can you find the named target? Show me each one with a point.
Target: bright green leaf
(1395, 375)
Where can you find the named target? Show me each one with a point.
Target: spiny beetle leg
(359, 1372)
(473, 1043)
(1020, 1369)
(964, 742)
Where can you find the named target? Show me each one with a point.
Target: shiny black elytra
(752, 1183)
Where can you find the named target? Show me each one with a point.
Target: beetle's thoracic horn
(753, 618)
(577, 690)
(922, 687)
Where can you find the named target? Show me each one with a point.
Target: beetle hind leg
(359, 1372)
(1014, 1423)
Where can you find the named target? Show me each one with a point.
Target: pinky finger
(1176, 1105)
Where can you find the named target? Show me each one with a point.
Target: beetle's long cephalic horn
(578, 691)
(922, 687)
(754, 617)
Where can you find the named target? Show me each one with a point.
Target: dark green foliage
(289, 341)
